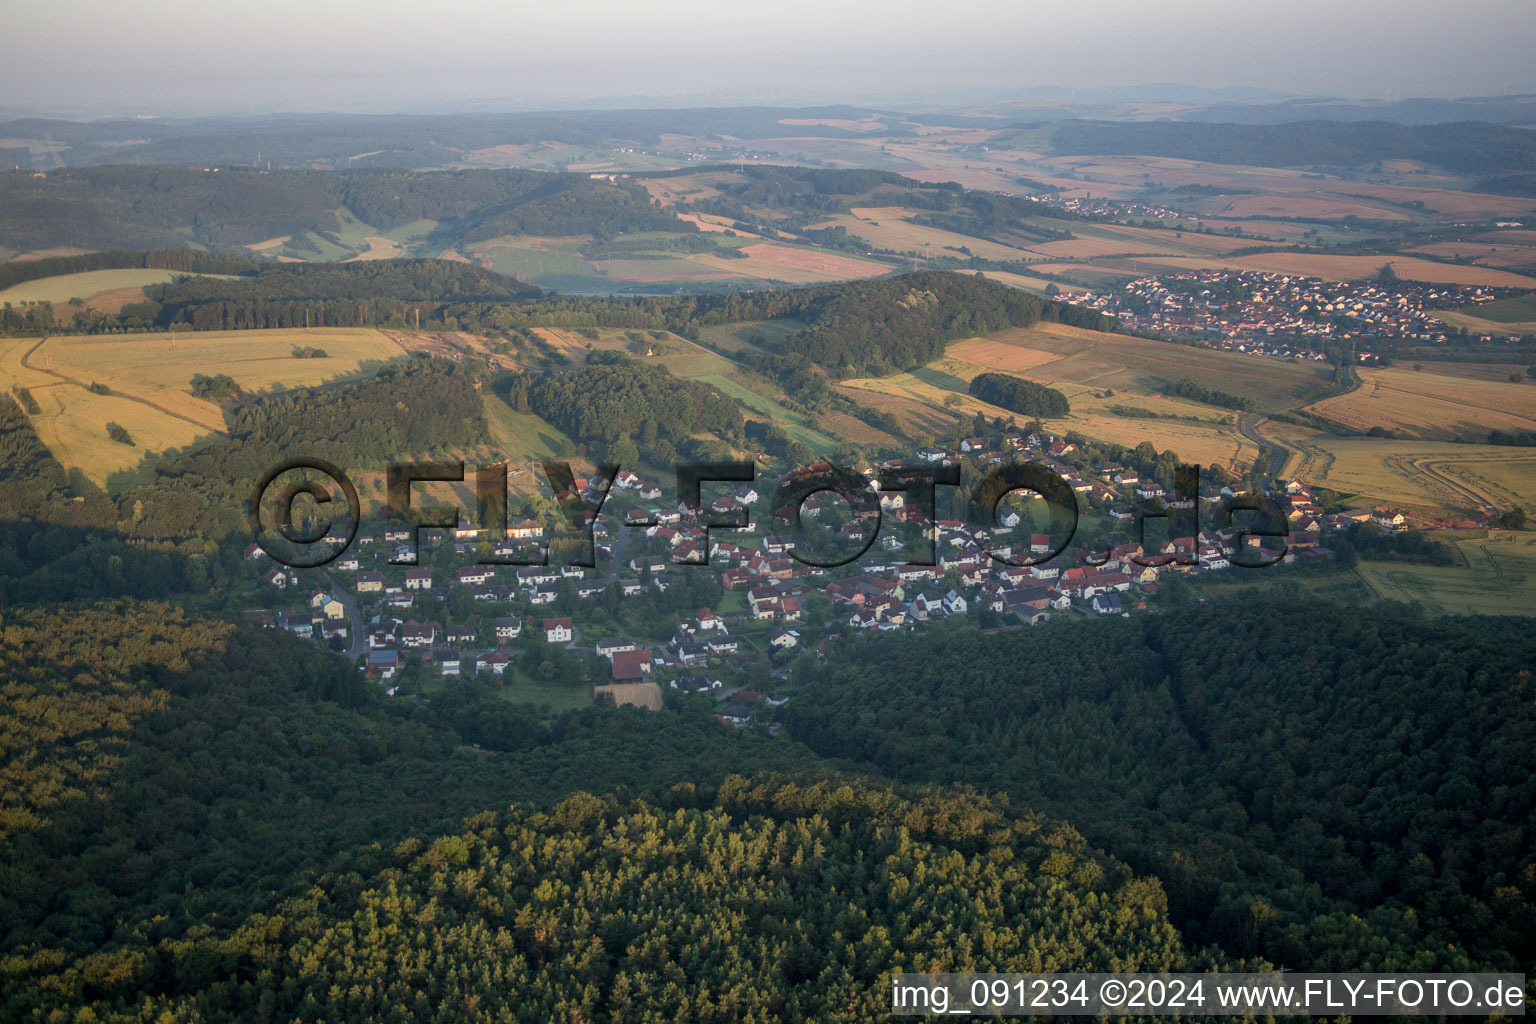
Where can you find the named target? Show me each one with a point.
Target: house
(631, 666)
(925, 607)
(461, 635)
(783, 639)
(737, 715)
(327, 606)
(418, 579)
(296, 623)
(370, 582)
(474, 575)
(418, 634)
(1107, 604)
(507, 628)
(348, 563)
(495, 662)
(559, 630)
(382, 664)
(708, 620)
(447, 660)
(279, 578)
(1039, 543)
(253, 553)
(614, 645)
(527, 529)
(954, 604)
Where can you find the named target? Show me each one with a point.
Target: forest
(138, 207)
(1321, 786)
(1470, 147)
(617, 404)
(1025, 397)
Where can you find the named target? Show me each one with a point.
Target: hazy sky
(188, 56)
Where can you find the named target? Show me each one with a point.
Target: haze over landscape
(94, 58)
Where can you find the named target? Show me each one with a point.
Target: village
(1280, 315)
(653, 625)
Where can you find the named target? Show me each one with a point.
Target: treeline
(1186, 388)
(163, 207)
(187, 261)
(614, 399)
(1016, 394)
(364, 293)
(1319, 785)
(1470, 147)
(1513, 438)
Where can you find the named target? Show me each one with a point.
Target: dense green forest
(413, 407)
(225, 821)
(1025, 397)
(126, 207)
(613, 398)
(1326, 787)
(372, 292)
(1469, 147)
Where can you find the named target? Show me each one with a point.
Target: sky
(105, 57)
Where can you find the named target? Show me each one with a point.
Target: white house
(558, 631)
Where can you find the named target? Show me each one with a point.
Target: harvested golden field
(1450, 202)
(73, 424)
(148, 365)
(1431, 406)
(1430, 476)
(886, 227)
(1098, 360)
(379, 248)
(63, 287)
(824, 266)
(149, 375)
(637, 695)
(999, 352)
(1034, 284)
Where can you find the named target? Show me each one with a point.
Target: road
(1248, 426)
(354, 617)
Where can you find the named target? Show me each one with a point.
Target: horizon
(388, 58)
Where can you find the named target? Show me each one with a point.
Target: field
(886, 227)
(1339, 268)
(1429, 476)
(1102, 375)
(1475, 324)
(149, 376)
(640, 695)
(1432, 406)
(1499, 578)
(1522, 309)
(63, 287)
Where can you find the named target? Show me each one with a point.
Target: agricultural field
(1432, 406)
(149, 375)
(1337, 268)
(1112, 382)
(64, 287)
(1475, 324)
(886, 227)
(1433, 477)
(1499, 578)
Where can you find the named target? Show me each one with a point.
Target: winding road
(1248, 425)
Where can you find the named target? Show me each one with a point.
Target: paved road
(1248, 426)
(354, 617)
